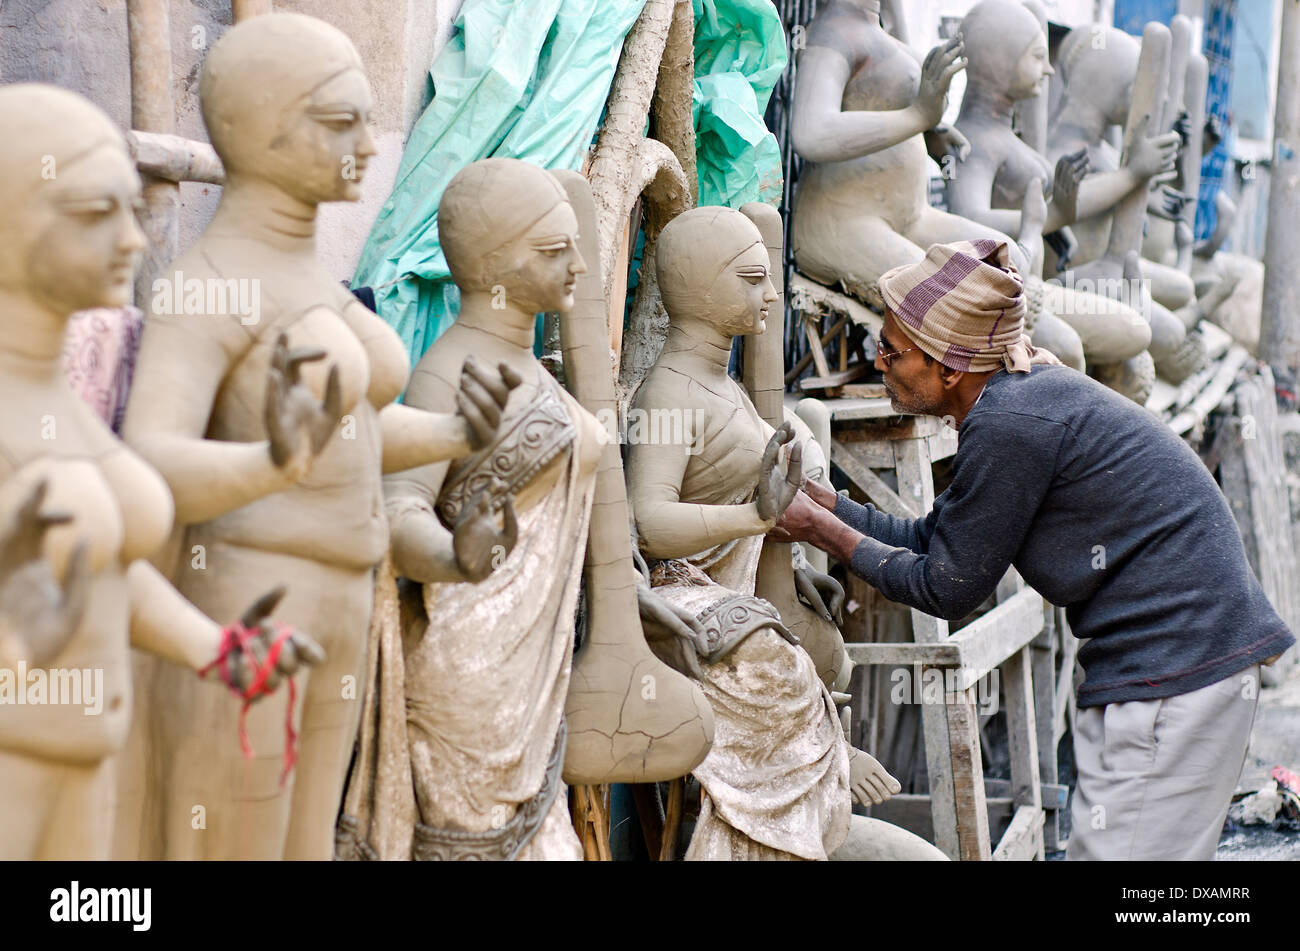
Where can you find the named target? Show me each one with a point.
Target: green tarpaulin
(519, 80)
(740, 53)
(529, 81)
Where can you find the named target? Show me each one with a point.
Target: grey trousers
(1155, 777)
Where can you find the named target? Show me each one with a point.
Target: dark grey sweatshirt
(1105, 512)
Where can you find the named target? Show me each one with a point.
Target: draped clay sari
(462, 740)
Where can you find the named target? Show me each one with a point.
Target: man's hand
(823, 496)
(801, 521)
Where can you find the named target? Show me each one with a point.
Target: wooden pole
(247, 9)
(1279, 332)
(152, 110)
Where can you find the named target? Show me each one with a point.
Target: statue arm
(181, 365)
(414, 437)
(1101, 192)
(821, 131)
(422, 548)
(165, 624)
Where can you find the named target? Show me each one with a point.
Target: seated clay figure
(779, 779)
(285, 102)
(80, 512)
(1100, 72)
(862, 104)
(1007, 62)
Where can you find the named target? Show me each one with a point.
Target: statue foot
(1133, 377)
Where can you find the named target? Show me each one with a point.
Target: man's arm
(1003, 471)
(912, 534)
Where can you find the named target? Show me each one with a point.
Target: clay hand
(941, 65)
(482, 399)
(1168, 202)
(297, 651)
(480, 548)
(297, 425)
(1152, 157)
(945, 140)
(821, 593)
(869, 782)
(37, 617)
(776, 489)
(1070, 172)
(687, 643)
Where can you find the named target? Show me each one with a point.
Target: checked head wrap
(964, 305)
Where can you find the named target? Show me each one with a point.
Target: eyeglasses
(886, 356)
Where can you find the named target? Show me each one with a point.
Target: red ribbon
(237, 638)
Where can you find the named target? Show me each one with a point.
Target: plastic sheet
(740, 53)
(516, 80)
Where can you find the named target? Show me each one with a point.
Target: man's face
(912, 382)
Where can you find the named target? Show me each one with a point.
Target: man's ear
(949, 377)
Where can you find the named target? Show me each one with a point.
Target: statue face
(538, 269)
(315, 147)
(84, 243)
(1033, 71)
(742, 293)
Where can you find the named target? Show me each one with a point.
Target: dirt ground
(1275, 741)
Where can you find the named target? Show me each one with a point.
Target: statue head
(1099, 66)
(1006, 48)
(69, 191)
(507, 228)
(285, 100)
(713, 267)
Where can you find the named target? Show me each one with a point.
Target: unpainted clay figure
(1007, 63)
(467, 756)
(1108, 80)
(863, 103)
(273, 425)
(778, 780)
(79, 511)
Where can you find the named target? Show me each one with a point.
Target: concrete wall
(82, 45)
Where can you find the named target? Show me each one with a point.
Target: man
(1102, 509)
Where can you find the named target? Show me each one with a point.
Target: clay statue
(81, 511)
(466, 754)
(1007, 63)
(778, 780)
(862, 104)
(264, 395)
(1110, 79)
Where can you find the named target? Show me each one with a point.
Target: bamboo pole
(152, 110)
(1279, 332)
(247, 9)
